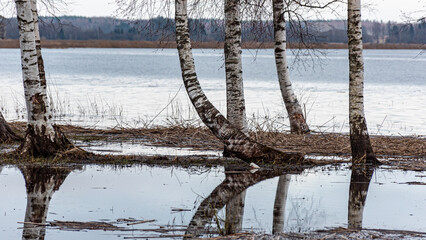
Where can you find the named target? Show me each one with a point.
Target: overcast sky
(377, 9)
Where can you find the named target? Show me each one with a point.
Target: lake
(134, 202)
(139, 87)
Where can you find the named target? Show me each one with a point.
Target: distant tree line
(2, 27)
(163, 29)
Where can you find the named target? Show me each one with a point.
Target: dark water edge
(137, 201)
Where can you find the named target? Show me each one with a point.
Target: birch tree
(295, 114)
(235, 102)
(42, 137)
(362, 151)
(6, 133)
(235, 141)
(236, 110)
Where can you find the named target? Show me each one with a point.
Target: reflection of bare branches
(360, 181)
(233, 185)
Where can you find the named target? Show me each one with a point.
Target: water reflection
(41, 183)
(280, 203)
(264, 201)
(231, 192)
(360, 181)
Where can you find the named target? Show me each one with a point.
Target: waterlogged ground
(131, 202)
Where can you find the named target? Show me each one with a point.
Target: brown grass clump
(339, 144)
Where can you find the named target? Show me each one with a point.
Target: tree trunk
(295, 114)
(6, 133)
(236, 109)
(280, 203)
(42, 138)
(360, 181)
(40, 61)
(362, 152)
(41, 183)
(235, 141)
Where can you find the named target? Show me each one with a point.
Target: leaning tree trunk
(280, 203)
(235, 141)
(41, 183)
(295, 114)
(42, 138)
(6, 133)
(235, 105)
(360, 181)
(362, 152)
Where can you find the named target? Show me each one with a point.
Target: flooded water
(139, 87)
(107, 202)
(140, 148)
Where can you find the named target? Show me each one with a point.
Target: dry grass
(201, 138)
(14, 43)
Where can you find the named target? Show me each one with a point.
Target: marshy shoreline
(396, 152)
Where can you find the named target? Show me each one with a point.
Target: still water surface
(129, 87)
(312, 199)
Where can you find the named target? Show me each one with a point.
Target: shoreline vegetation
(14, 43)
(397, 152)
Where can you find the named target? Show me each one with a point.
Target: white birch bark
(42, 138)
(236, 110)
(360, 181)
(362, 151)
(38, 47)
(235, 141)
(34, 94)
(295, 114)
(280, 203)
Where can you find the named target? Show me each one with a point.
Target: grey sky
(385, 10)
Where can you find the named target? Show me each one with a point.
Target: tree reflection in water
(360, 181)
(43, 182)
(280, 203)
(229, 190)
(40, 182)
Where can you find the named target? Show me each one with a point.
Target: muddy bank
(13, 43)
